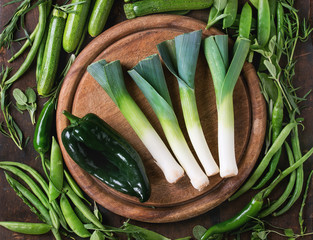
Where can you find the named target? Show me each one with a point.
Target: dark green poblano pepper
(105, 154)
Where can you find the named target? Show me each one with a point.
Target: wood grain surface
(13, 209)
(130, 42)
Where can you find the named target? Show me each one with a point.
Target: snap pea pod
(265, 161)
(40, 54)
(277, 122)
(245, 21)
(32, 52)
(99, 16)
(52, 52)
(27, 228)
(56, 171)
(264, 22)
(231, 12)
(75, 24)
(274, 206)
(71, 218)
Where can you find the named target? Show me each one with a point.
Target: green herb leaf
(21, 107)
(19, 97)
(31, 95)
(97, 235)
(198, 231)
(271, 68)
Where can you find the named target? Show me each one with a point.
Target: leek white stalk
(110, 78)
(224, 80)
(148, 75)
(180, 56)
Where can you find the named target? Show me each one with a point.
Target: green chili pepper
(73, 221)
(43, 130)
(264, 22)
(102, 152)
(56, 171)
(27, 228)
(52, 52)
(249, 211)
(32, 52)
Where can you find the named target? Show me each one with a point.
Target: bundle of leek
(148, 75)
(180, 56)
(110, 78)
(225, 77)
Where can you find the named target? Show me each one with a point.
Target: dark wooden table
(12, 208)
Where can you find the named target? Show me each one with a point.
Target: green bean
(265, 161)
(300, 175)
(277, 122)
(32, 52)
(32, 185)
(81, 216)
(73, 221)
(54, 218)
(34, 201)
(273, 207)
(27, 228)
(56, 171)
(231, 11)
(264, 22)
(82, 207)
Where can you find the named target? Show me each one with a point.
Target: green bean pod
(71, 218)
(249, 211)
(33, 51)
(245, 21)
(99, 16)
(275, 205)
(56, 171)
(265, 161)
(277, 123)
(27, 228)
(264, 22)
(231, 11)
(75, 24)
(52, 53)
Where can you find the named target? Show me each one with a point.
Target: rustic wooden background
(13, 209)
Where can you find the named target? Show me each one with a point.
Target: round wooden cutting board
(130, 42)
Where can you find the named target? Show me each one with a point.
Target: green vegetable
(99, 16)
(214, 17)
(231, 12)
(264, 22)
(73, 221)
(224, 80)
(141, 8)
(52, 52)
(56, 171)
(26, 101)
(149, 77)
(75, 24)
(110, 77)
(245, 21)
(180, 55)
(102, 152)
(32, 52)
(27, 228)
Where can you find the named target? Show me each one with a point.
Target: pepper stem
(73, 119)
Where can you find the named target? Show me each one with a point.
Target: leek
(224, 80)
(110, 78)
(180, 57)
(148, 75)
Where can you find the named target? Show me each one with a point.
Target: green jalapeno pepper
(102, 152)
